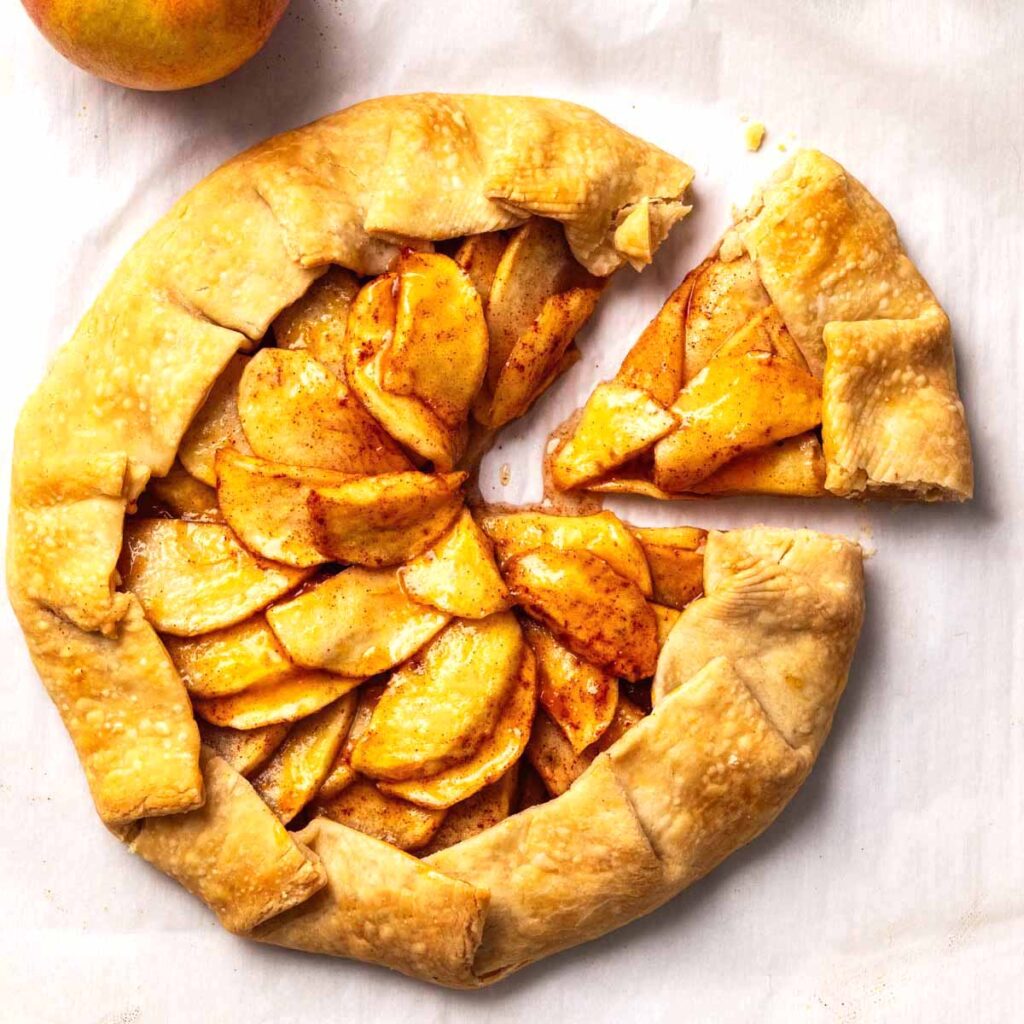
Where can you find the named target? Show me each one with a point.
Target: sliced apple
(288, 700)
(458, 574)
(598, 614)
(602, 534)
(667, 618)
(532, 790)
(357, 623)
(383, 520)
(216, 424)
(633, 235)
(339, 776)
(362, 806)
(194, 578)
(764, 332)
(725, 296)
(655, 363)
(180, 495)
(616, 425)
(552, 756)
(530, 367)
(495, 756)
(569, 358)
(735, 404)
(539, 299)
(627, 714)
(371, 326)
(230, 660)
(536, 264)
(295, 411)
(291, 778)
(794, 467)
(438, 351)
(341, 772)
(676, 557)
(579, 697)
(479, 256)
(439, 708)
(784, 343)
(316, 322)
(246, 750)
(479, 812)
(267, 505)
(634, 477)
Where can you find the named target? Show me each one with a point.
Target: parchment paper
(893, 887)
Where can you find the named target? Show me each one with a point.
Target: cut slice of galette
(308, 674)
(806, 356)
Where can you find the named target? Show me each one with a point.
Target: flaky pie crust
(828, 255)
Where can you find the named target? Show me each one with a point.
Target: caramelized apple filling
(404, 700)
(714, 398)
(355, 640)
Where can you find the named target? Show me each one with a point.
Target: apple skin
(157, 44)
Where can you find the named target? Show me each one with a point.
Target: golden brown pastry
(810, 319)
(125, 708)
(385, 907)
(231, 852)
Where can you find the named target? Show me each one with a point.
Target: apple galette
(807, 356)
(310, 676)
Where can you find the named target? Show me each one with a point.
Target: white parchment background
(893, 886)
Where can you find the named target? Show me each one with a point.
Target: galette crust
(559, 873)
(893, 424)
(232, 852)
(828, 255)
(707, 771)
(386, 907)
(785, 608)
(125, 708)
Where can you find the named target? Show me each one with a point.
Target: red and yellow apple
(157, 44)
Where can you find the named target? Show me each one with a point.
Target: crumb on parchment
(753, 135)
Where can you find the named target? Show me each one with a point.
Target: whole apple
(157, 44)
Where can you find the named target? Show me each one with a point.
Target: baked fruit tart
(307, 673)
(807, 356)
